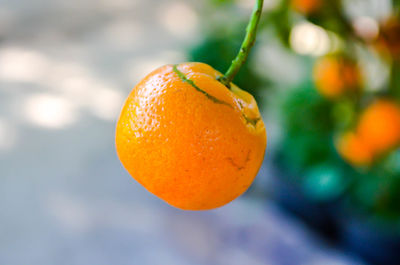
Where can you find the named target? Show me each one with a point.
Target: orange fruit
(388, 41)
(379, 125)
(189, 139)
(306, 7)
(354, 150)
(335, 75)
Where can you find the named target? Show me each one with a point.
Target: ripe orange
(352, 148)
(379, 125)
(335, 75)
(190, 140)
(306, 7)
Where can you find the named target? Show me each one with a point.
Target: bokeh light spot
(366, 27)
(49, 111)
(178, 18)
(117, 5)
(249, 4)
(307, 38)
(106, 103)
(123, 33)
(22, 65)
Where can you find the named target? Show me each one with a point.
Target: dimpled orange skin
(379, 125)
(196, 150)
(333, 76)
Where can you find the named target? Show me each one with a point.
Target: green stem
(248, 42)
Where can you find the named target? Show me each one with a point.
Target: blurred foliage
(312, 121)
(219, 2)
(308, 128)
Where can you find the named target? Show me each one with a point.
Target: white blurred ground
(65, 69)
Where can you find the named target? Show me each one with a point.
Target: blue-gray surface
(65, 67)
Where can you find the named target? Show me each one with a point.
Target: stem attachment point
(248, 43)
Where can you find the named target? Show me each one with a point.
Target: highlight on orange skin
(379, 125)
(190, 140)
(306, 7)
(334, 76)
(354, 150)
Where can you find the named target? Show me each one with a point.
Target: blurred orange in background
(336, 75)
(388, 41)
(353, 149)
(306, 6)
(377, 131)
(379, 126)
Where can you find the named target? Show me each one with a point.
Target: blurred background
(326, 75)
